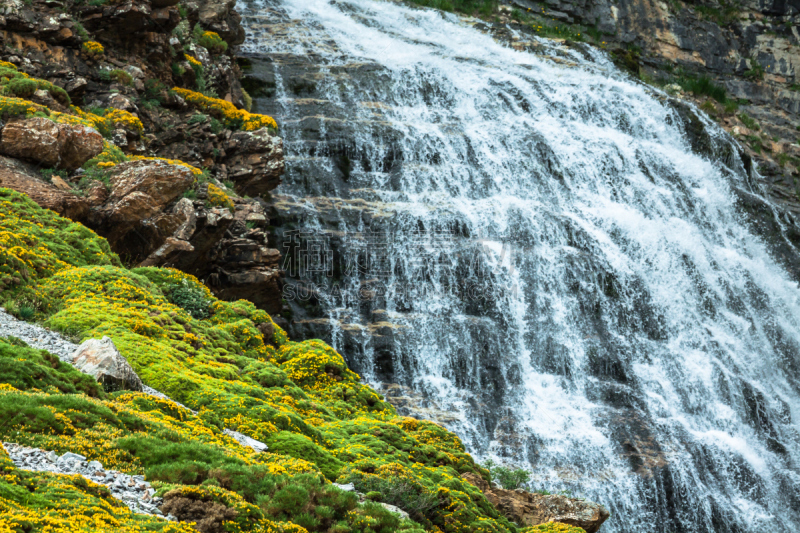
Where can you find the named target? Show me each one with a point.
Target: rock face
(132, 213)
(101, 359)
(530, 509)
(49, 144)
(149, 48)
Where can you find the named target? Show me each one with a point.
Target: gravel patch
(133, 491)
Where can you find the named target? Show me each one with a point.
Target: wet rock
(255, 161)
(530, 509)
(49, 144)
(219, 16)
(101, 360)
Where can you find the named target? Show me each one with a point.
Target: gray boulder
(101, 360)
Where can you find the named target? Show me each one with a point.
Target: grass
(703, 86)
(749, 123)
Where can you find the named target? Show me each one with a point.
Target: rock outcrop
(49, 144)
(23, 177)
(531, 509)
(100, 359)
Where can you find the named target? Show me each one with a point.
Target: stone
(347, 487)
(531, 509)
(160, 181)
(267, 330)
(60, 183)
(396, 510)
(101, 360)
(76, 88)
(95, 465)
(69, 456)
(244, 440)
(49, 144)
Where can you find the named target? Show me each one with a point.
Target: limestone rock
(530, 509)
(160, 181)
(219, 16)
(244, 440)
(101, 359)
(396, 510)
(50, 144)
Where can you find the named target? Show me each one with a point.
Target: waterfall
(536, 247)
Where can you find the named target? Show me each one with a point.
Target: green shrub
(192, 300)
(197, 118)
(506, 477)
(749, 122)
(704, 86)
(121, 76)
(248, 101)
(178, 70)
(209, 40)
(22, 87)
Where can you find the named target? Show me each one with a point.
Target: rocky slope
(113, 66)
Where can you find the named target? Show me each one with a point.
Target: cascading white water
(632, 342)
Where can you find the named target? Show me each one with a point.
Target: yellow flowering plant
(226, 111)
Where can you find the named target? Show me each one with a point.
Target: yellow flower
(226, 111)
(93, 48)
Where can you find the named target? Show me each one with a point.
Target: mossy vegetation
(18, 84)
(320, 422)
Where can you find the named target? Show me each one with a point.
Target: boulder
(530, 509)
(396, 510)
(160, 181)
(101, 360)
(134, 216)
(50, 144)
(244, 440)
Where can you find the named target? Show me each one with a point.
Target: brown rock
(60, 183)
(255, 162)
(267, 330)
(19, 176)
(159, 180)
(50, 144)
(530, 509)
